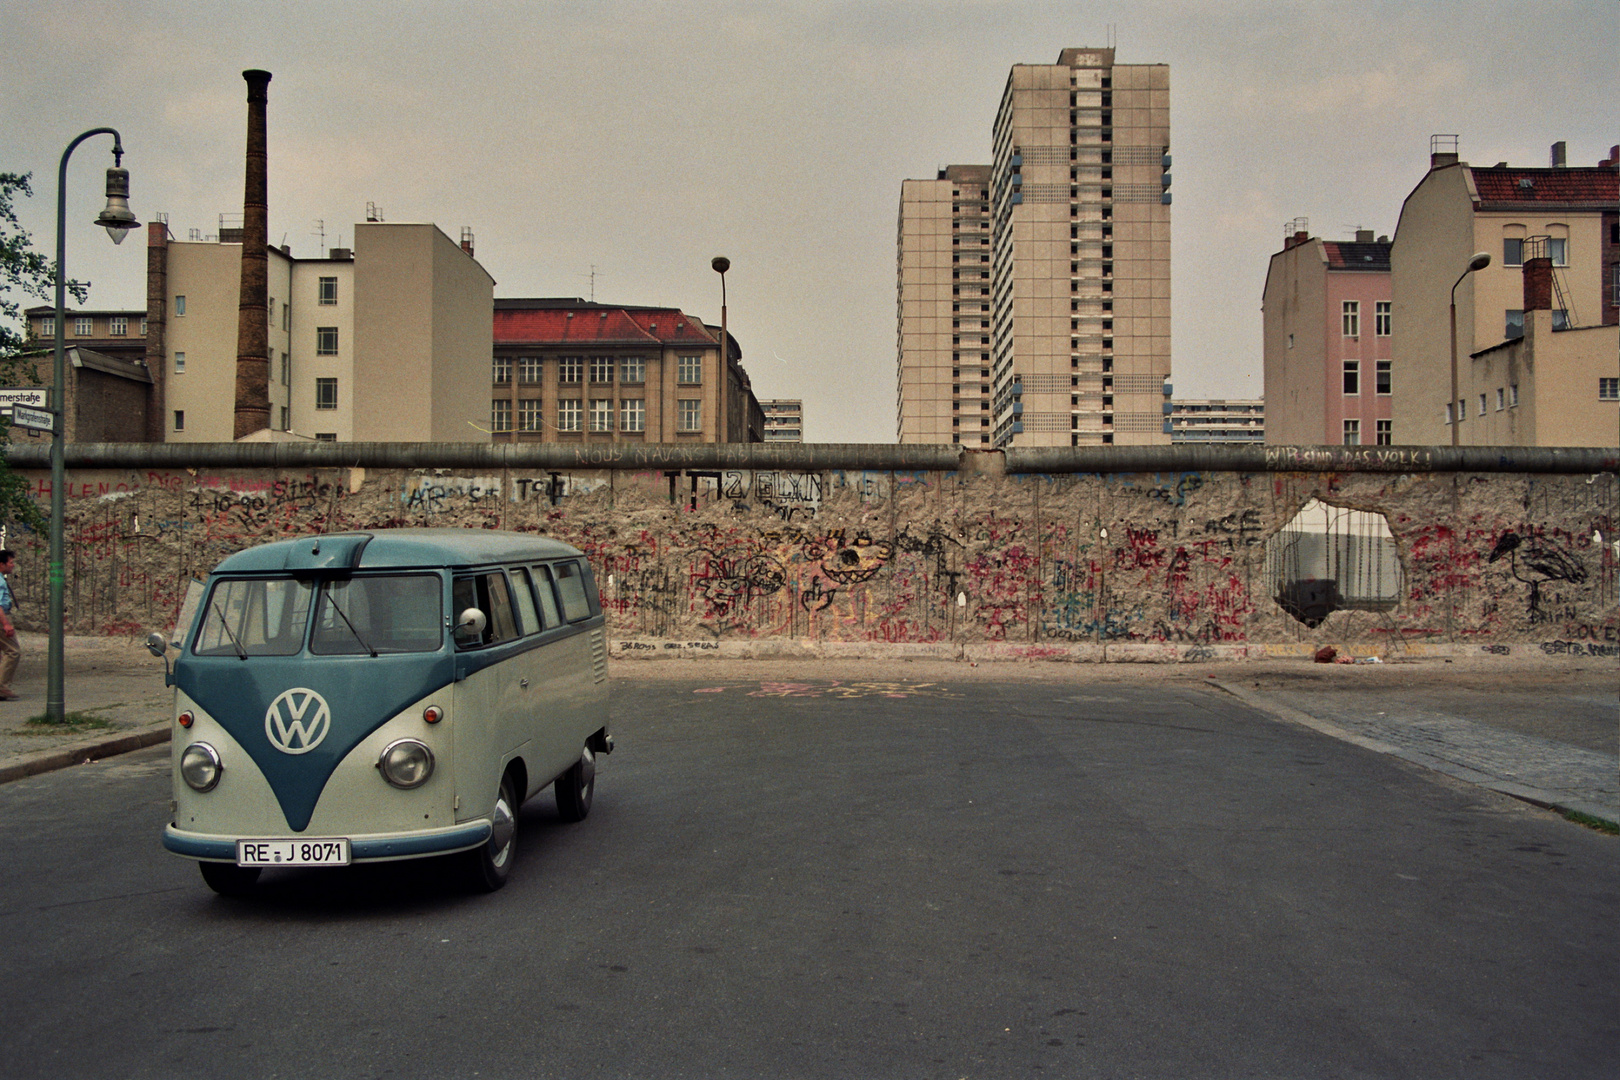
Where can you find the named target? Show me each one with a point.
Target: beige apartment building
(1508, 213)
(784, 420)
(567, 370)
(1328, 333)
(387, 342)
(943, 290)
(1080, 256)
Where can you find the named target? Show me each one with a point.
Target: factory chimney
(253, 318)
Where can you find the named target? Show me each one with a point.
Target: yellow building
(1458, 210)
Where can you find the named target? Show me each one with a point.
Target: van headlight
(406, 763)
(200, 766)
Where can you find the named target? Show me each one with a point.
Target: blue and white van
(370, 696)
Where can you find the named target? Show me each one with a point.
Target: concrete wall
(1149, 564)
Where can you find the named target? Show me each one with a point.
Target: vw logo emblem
(297, 721)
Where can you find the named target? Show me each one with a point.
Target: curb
(1522, 792)
(84, 751)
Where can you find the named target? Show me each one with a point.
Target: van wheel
(228, 879)
(576, 786)
(489, 864)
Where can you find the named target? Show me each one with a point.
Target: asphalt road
(973, 879)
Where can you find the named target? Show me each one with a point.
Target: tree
(26, 272)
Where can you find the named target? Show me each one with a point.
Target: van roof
(394, 548)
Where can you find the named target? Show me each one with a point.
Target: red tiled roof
(1599, 188)
(596, 325)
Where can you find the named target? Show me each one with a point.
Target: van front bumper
(375, 848)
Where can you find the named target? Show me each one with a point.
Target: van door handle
(524, 683)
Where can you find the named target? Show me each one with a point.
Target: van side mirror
(155, 644)
(470, 627)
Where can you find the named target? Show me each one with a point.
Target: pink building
(1329, 367)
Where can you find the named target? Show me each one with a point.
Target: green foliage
(24, 273)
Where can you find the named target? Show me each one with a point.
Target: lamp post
(1480, 261)
(117, 220)
(721, 264)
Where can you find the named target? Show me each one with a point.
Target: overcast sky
(636, 141)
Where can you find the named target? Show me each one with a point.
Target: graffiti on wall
(866, 556)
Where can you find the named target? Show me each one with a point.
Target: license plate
(332, 852)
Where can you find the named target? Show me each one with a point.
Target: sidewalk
(116, 681)
(1544, 731)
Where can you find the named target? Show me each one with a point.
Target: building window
(326, 436)
(1462, 409)
(1352, 318)
(570, 369)
(326, 393)
(286, 370)
(633, 369)
(326, 341)
(1352, 433)
(284, 418)
(1501, 399)
(83, 327)
(179, 363)
(179, 419)
(500, 415)
(327, 291)
(1609, 389)
(118, 327)
(180, 305)
(690, 415)
(1558, 250)
(502, 369)
(529, 414)
(47, 326)
(1513, 251)
(529, 370)
(1513, 324)
(601, 369)
(601, 414)
(1352, 377)
(689, 371)
(1448, 412)
(143, 328)
(1385, 434)
(633, 415)
(1513, 395)
(1382, 314)
(1482, 406)
(568, 414)
(1382, 374)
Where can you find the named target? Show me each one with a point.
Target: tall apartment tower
(943, 282)
(1080, 254)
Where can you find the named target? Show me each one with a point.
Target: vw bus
(371, 696)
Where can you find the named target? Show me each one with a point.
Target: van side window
(523, 592)
(571, 588)
(548, 599)
(488, 593)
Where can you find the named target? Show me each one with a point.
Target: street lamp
(117, 220)
(1480, 261)
(721, 264)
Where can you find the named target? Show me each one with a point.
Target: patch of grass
(1602, 825)
(71, 723)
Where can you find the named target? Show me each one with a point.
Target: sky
(611, 150)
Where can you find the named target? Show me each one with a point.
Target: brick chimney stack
(1537, 285)
(253, 318)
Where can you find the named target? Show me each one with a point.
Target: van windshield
(372, 615)
(254, 617)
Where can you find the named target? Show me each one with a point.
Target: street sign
(21, 395)
(37, 419)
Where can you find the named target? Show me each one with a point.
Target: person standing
(9, 654)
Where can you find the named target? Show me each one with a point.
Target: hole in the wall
(1330, 558)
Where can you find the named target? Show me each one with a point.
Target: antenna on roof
(320, 230)
(592, 278)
